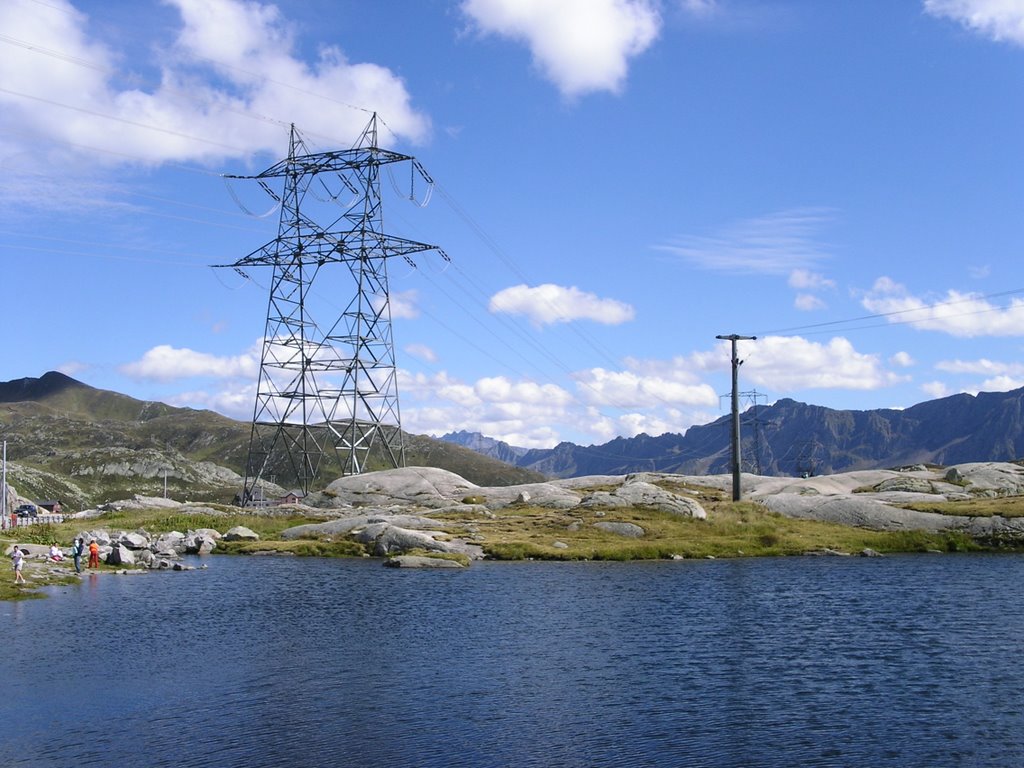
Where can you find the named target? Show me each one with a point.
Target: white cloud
(786, 363)
(230, 81)
(421, 352)
(547, 304)
(521, 413)
(403, 304)
(902, 359)
(779, 243)
(699, 8)
(979, 272)
(959, 314)
(634, 389)
(167, 363)
(580, 45)
(235, 402)
(1001, 20)
(935, 389)
(808, 302)
(1002, 383)
(73, 367)
(981, 366)
(806, 280)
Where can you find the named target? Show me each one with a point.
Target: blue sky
(617, 182)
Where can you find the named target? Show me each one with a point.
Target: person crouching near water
(94, 554)
(18, 558)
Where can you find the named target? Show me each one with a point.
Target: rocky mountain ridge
(794, 438)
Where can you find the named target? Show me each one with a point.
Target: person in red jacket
(94, 554)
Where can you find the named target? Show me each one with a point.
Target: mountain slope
(793, 438)
(83, 445)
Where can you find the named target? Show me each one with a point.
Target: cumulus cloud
(935, 389)
(808, 302)
(636, 388)
(404, 304)
(964, 315)
(234, 401)
(231, 78)
(902, 359)
(1001, 20)
(787, 363)
(167, 363)
(581, 46)
(807, 280)
(421, 352)
(522, 413)
(786, 242)
(547, 304)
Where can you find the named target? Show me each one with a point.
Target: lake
(261, 661)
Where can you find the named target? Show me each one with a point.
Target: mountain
(793, 438)
(488, 446)
(84, 446)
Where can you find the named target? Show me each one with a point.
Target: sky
(616, 183)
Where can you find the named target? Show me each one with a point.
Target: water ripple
(902, 661)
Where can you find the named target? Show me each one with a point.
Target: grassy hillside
(85, 446)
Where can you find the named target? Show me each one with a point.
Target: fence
(13, 521)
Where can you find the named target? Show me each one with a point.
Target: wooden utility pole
(736, 363)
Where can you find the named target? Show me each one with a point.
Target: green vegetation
(1005, 506)
(114, 447)
(37, 575)
(731, 530)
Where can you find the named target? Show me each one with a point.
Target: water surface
(901, 661)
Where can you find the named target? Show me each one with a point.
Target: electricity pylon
(328, 381)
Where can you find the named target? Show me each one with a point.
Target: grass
(1006, 506)
(731, 530)
(37, 575)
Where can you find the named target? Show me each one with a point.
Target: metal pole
(3, 498)
(736, 363)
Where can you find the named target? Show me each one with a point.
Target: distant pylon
(328, 380)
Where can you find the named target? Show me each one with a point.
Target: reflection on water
(902, 661)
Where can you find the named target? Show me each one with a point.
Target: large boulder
(199, 543)
(241, 533)
(419, 561)
(345, 525)
(134, 540)
(172, 543)
(387, 539)
(631, 530)
(419, 486)
(546, 495)
(857, 510)
(644, 495)
(119, 554)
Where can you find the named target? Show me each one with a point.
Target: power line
(925, 308)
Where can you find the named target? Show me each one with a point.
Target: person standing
(18, 557)
(94, 554)
(76, 552)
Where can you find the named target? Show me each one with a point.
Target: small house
(292, 497)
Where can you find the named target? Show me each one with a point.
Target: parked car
(27, 510)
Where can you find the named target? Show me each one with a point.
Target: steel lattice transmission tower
(328, 380)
